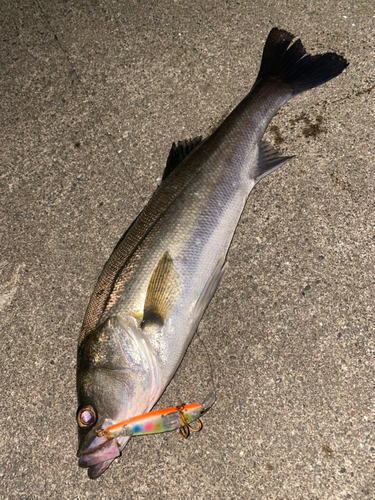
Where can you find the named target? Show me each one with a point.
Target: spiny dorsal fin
(179, 153)
(162, 292)
(268, 160)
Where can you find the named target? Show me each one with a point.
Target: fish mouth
(99, 456)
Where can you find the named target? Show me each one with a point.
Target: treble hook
(185, 428)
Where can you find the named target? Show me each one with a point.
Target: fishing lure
(154, 422)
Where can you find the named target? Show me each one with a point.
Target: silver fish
(156, 285)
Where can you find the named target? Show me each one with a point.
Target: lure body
(158, 421)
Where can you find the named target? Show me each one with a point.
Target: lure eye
(86, 416)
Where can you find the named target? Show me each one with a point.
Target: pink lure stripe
(151, 414)
(148, 427)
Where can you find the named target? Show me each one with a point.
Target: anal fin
(269, 160)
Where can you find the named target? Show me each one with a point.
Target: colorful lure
(178, 417)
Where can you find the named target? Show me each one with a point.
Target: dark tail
(289, 63)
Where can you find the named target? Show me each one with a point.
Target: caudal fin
(289, 63)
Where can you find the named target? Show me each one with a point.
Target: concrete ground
(92, 96)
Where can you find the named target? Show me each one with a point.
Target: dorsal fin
(162, 292)
(178, 153)
(269, 160)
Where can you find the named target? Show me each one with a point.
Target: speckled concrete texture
(92, 94)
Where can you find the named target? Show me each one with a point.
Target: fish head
(117, 379)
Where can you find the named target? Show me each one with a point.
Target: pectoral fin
(162, 292)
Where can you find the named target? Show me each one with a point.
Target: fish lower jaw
(107, 450)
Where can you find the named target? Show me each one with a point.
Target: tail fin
(290, 63)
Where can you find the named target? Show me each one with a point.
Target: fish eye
(86, 416)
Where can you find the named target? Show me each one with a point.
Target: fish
(164, 271)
